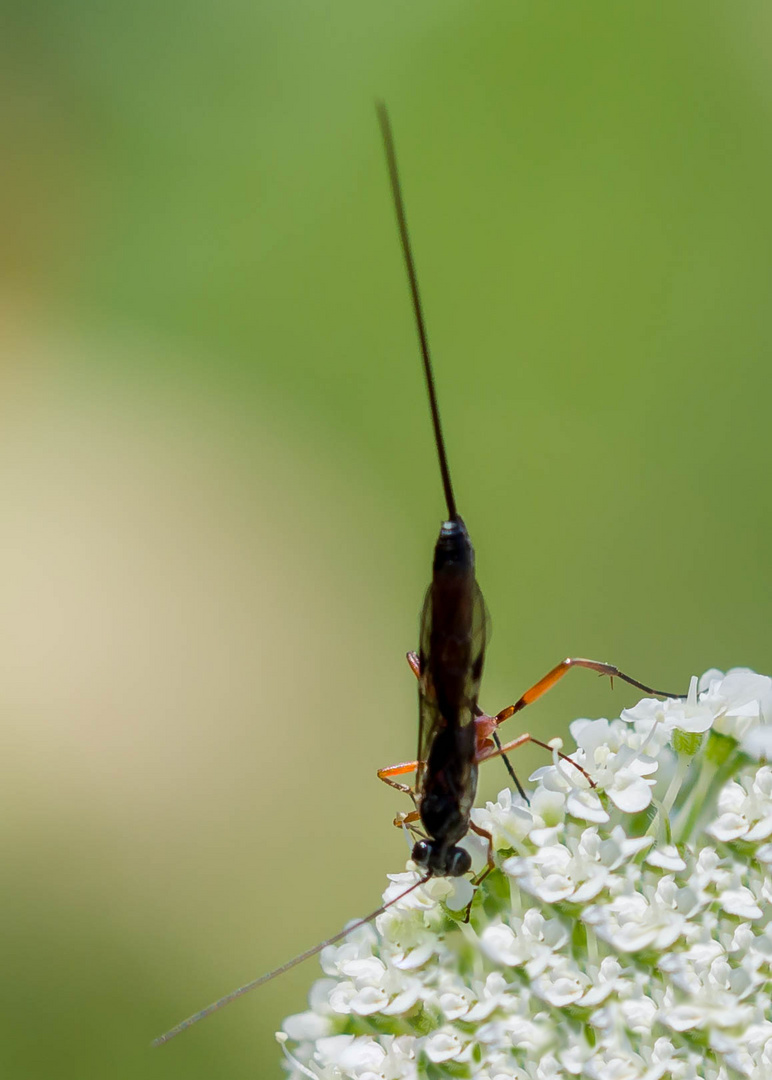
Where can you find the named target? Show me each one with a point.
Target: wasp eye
(460, 862)
(421, 852)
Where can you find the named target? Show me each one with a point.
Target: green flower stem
(661, 820)
(695, 803)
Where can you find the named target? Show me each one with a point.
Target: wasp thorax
(453, 547)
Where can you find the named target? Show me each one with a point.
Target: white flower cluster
(626, 932)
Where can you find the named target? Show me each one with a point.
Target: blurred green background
(219, 491)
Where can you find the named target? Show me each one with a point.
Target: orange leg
(478, 879)
(563, 668)
(410, 821)
(485, 753)
(399, 770)
(486, 836)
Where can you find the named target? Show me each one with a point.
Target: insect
(455, 735)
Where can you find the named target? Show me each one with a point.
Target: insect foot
(625, 930)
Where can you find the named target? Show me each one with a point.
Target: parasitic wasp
(454, 735)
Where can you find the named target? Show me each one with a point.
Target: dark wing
(430, 718)
(428, 713)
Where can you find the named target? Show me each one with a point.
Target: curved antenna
(241, 990)
(399, 206)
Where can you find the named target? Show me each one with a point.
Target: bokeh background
(219, 491)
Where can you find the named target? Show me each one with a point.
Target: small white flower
(353, 1056)
(745, 809)
(446, 1044)
(548, 802)
(604, 980)
(308, 1026)
(586, 806)
(654, 721)
(492, 995)
(637, 1009)
(757, 743)
(545, 874)
(500, 944)
(609, 752)
(666, 858)
(508, 820)
(409, 992)
(740, 700)
(740, 902)
(561, 984)
(637, 921)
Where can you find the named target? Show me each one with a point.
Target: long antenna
(241, 990)
(399, 206)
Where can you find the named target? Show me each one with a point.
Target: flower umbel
(626, 931)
